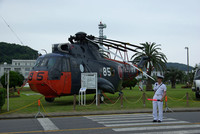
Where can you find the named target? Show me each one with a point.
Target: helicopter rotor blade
(125, 43)
(121, 59)
(108, 45)
(118, 45)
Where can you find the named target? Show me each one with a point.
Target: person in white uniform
(160, 93)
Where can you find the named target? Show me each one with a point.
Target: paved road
(182, 122)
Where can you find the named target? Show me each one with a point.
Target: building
(21, 66)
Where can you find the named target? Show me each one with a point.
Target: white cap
(160, 76)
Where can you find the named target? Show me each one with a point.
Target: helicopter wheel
(50, 99)
(101, 98)
(120, 93)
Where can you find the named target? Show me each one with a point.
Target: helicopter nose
(38, 82)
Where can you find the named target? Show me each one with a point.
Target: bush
(16, 79)
(129, 83)
(2, 97)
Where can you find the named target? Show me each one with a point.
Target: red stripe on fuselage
(117, 61)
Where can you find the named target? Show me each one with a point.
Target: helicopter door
(66, 76)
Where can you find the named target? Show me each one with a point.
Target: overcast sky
(175, 24)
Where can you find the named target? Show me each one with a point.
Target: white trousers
(158, 115)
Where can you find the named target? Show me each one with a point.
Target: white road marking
(47, 124)
(119, 116)
(175, 132)
(156, 128)
(142, 123)
(133, 121)
(125, 118)
(145, 123)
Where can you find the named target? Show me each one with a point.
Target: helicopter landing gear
(120, 93)
(49, 99)
(101, 98)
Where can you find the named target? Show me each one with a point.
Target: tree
(16, 79)
(10, 51)
(156, 60)
(173, 75)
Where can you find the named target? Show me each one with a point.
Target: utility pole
(7, 82)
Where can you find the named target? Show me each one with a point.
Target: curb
(73, 114)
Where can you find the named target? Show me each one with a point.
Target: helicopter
(59, 73)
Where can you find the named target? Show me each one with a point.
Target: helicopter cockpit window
(51, 62)
(54, 67)
(38, 61)
(43, 62)
(48, 62)
(66, 65)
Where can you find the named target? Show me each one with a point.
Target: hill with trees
(10, 51)
(179, 66)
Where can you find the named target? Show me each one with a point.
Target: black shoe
(154, 120)
(159, 121)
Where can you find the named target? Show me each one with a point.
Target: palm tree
(173, 75)
(157, 59)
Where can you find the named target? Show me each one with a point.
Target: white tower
(101, 36)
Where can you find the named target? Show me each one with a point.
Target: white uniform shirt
(159, 90)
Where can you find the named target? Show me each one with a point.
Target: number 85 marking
(106, 71)
(39, 76)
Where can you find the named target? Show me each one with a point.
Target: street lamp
(7, 79)
(187, 59)
(187, 62)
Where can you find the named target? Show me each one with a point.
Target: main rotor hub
(80, 36)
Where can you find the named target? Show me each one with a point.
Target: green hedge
(130, 83)
(2, 97)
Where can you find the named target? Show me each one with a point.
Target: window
(39, 60)
(17, 69)
(6, 69)
(44, 62)
(66, 65)
(27, 69)
(49, 62)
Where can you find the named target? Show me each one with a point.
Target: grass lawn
(27, 102)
